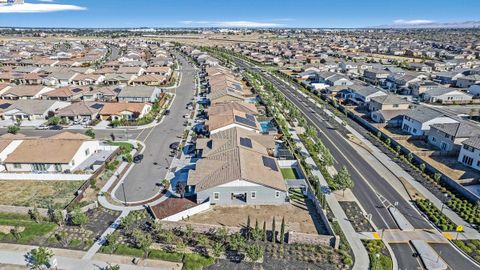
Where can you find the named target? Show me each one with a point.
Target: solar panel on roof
(245, 121)
(97, 106)
(250, 117)
(270, 163)
(246, 142)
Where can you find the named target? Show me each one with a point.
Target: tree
(180, 246)
(13, 129)
(264, 230)
(15, 231)
(248, 227)
(35, 214)
(181, 188)
(142, 240)
(165, 183)
(53, 121)
(90, 133)
(274, 233)
(343, 179)
(237, 242)
(113, 267)
(78, 218)
(255, 252)
(410, 157)
(422, 167)
(217, 249)
(40, 257)
(112, 240)
(282, 230)
(127, 222)
(55, 216)
(221, 234)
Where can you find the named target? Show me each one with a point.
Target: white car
(42, 127)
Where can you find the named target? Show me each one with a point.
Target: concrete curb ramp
(400, 219)
(430, 258)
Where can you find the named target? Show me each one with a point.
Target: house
(159, 70)
(363, 94)
(87, 79)
(448, 77)
(375, 76)
(116, 79)
(139, 94)
(232, 114)
(80, 111)
(417, 121)
(66, 93)
(470, 152)
(467, 81)
(388, 102)
(235, 168)
(59, 78)
(149, 79)
(25, 92)
(338, 79)
(106, 94)
(448, 137)
(28, 109)
(419, 87)
(63, 152)
(124, 110)
(445, 95)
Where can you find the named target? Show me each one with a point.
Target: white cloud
(38, 8)
(239, 24)
(412, 21)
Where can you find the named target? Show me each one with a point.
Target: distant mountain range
(468, 24)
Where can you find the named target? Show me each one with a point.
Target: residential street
(141, 183)
(368, 182)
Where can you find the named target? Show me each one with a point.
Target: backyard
(38, 193)
(289, 173)
(297, 217)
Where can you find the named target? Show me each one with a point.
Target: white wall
(189, 212)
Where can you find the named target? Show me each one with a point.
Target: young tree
(142, 240)
(217, 249)
(248, 227)
(264, 230)
(112, 240)
(165, 183)
(237, 242)
(127, 222)
(40, 257)
(113, 267)
(282, 230)
(90, 133)
(274, 232)
(422, 167)
(56, 216)
(221, 234)
(35, 214)
(13, 129)
(78, 218)
(343, 179)
(255, 252)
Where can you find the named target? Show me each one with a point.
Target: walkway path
(12, 254)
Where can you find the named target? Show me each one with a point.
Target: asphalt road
(368, 182)
(404, 254)
(141, 182)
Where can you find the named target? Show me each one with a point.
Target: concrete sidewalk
(13, 254)
(360, 253)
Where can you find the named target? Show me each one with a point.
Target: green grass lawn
(125, 147)
(289, 173)
(31, 231)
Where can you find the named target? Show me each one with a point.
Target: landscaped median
(379, 256)
(434, 215)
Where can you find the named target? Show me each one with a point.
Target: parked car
(167, 112)
(56, 127)
(42, 127)
(138, 158)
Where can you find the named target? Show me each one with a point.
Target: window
(87, 152)
(395, 105)
(434, 139)
(39, 167)
(17, 166)
(467, 160)
(216, 195)
(414, 130)
(58, 167)
(277, 194)
(254, 195)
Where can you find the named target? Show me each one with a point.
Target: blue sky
(225, 13)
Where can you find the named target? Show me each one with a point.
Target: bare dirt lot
(37, 193)
(297, 218)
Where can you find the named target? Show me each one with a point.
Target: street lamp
(445, 196)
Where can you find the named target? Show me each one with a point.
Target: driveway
(140, 183)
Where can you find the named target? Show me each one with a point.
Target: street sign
(459, 228)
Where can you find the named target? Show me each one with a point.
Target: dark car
(56, 127)
(167, 112)
(137, 158)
